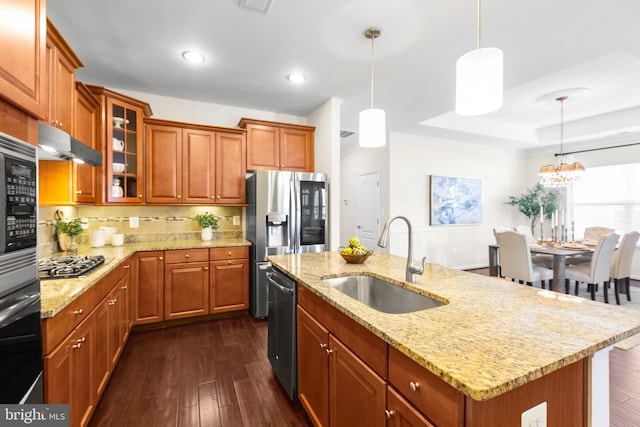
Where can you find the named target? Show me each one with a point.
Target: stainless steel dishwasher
(282, 343)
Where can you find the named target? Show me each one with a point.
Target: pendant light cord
(372, 56)
(478, 40)
(561, 99)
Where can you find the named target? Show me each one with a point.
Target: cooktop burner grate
(67, 266)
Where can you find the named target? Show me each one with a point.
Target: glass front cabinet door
(122, 168)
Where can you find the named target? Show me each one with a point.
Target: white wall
(326, 119)
(405, 166)
(184, 110)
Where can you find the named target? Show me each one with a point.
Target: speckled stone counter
(491, 336)
(57, 294)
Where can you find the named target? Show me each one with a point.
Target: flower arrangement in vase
(208, 222)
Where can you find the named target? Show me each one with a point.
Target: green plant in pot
(529, 203)
(208, 222)
(67, 232)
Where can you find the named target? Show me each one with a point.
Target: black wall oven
(20, 324)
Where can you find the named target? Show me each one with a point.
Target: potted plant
(529, 203)
(67, 232)
(208, 222)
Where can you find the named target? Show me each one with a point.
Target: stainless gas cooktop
(67, 266)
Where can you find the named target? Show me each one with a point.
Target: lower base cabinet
(83, 342)
(347, 376)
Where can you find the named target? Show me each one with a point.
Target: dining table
(559, 253)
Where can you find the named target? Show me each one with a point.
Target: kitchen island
(490, 338)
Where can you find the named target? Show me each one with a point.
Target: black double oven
(20, 324)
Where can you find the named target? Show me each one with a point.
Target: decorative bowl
(354, 259)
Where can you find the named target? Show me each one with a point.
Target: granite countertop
(491, 336)
(57, 294)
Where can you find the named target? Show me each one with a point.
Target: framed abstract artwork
(455, 200)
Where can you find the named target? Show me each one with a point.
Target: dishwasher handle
(278, 286)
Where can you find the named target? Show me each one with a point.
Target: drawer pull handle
(78, 311)
(328, 350)
(206, 269)
(124, 287)
(414, 386)
(126, 267)
(186, 256)
(79, 343)
(389, 413)
(229, 253)
(160, 258)
(113, 302)
(323, 346)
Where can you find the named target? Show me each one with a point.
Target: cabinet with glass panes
(122, 170)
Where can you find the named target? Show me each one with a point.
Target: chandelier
(562, 174)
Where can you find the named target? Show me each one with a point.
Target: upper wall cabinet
(121, 144)
(62, 63)
(194, 164)
(23, 29)
(280, 146)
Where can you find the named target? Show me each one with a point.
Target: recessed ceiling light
(193, 57)
(296, 77)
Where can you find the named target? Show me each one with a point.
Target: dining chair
(597, 270)
(593, 234)
(538, 260)
(515, 260)
(622, 259)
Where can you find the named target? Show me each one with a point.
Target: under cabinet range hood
(56, 144)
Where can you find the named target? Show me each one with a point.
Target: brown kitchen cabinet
(71, 183)
(229, 279)
(62, 63)
(23, 83)
(69, 375)
(186, 283)
(122, 146)
(148, 287)
(335, 386)
(279, 146)
(194, 164)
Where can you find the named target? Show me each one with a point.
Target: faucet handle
(419, 269)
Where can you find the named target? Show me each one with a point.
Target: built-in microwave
(18, 198)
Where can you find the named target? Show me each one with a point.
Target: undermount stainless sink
(381, 295)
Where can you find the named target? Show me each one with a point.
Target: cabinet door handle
(323, 346)
(213, 197)
(126, 267)
(160, 258)
(389, 413)
(60, 124)
(124, 287)
(140, 196)
(78, 312)
(79, 192)
(414, 386)
(328, 350)
(217, 197)
(113, 302)
(179, 196)
(206, 269)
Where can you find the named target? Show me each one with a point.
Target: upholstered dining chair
(515, 260)
(597, 271)
(593, 234)
(538, 260)
(622, 259)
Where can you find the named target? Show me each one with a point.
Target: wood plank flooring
(216, 373)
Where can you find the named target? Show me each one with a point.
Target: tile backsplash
(155, 223)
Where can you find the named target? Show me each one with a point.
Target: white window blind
(608, 196)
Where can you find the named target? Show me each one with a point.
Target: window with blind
(608, 196)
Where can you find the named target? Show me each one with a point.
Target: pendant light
(372, 129)
(562, 174)
(479, 79)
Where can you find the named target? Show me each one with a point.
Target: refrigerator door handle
(294, 244)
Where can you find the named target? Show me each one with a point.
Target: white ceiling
(548, 45)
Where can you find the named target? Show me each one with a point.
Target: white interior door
(368, 210)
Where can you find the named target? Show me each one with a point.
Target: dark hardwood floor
(216, 373)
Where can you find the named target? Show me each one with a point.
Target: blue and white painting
(455, 200)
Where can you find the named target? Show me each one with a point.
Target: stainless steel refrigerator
(286, 214)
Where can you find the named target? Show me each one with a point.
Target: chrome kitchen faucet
(412, 269)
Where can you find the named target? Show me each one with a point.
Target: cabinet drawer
(440, 402)
(231, 252)
(56, 328)
(186, 255)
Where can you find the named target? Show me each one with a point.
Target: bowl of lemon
(355, 253)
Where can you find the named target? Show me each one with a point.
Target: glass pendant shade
(372, 131)
(479, 81)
